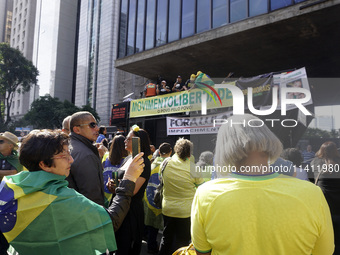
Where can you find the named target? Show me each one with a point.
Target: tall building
(98, 82)
(55, 47)
(6, 11)
(22, 38)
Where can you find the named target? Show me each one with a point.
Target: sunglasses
(2, 141)
(91, 125)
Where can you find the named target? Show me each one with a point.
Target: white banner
(195, 125)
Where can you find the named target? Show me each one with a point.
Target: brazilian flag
(40, 215)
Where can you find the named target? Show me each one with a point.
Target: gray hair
(237, 138)
(66, 122)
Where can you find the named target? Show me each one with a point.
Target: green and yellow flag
(40, 215)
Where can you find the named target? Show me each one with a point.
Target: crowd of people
(162, 87)
(100, 199)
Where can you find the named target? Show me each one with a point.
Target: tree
(316, 132)
(17, 74)
(49, 112)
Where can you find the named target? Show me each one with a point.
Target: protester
(326, 166)
(102, 134)
(66, 125)
(163, 88)
(116, 157)
(130, 234)
(9, 165)
(308, 154)
(86, 174)
(180, 182)
(40, 215)
(178, 85)
(153, 215)
(295, 156)
(255, 210)
(205, 163)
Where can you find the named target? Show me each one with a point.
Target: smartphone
(115, 178)
(135, 146)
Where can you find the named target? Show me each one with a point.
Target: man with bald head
(86, 174)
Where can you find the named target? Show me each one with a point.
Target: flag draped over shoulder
(40, 215)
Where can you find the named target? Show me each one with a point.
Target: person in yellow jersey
(180, 182)
(252, 209)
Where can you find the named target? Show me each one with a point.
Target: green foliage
(49, 112)
(319, 133)
(17, 74)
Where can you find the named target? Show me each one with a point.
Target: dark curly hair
(41, 145)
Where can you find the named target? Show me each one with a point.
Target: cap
(164, 81)
(164, 148)
(12, 138)
(178, 76)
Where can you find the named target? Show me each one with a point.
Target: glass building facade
(146, 24)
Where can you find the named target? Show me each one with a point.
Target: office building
(6, 12)
(98, 83)
(22, 38)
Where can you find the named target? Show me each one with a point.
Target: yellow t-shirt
(273, 214)
(180, 182)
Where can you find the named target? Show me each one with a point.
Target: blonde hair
(183, 148)
(237, 138)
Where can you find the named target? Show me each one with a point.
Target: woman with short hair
(256, 210)
(180, 183)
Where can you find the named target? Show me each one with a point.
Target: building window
(22, 46)
(140, 26)
(25, 13)
(238, 10)
(162, 18)
(220, 13)
(174, 20)
(131, 27)
(258, 7)
(150, 24)
(123, 28)
(277, 4)
(23, 34)
(18, 105)
(188, 18)
(203, 15)
(24, 23)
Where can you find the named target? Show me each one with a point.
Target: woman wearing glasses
(129, 236)
(40, 215)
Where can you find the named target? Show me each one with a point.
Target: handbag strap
(165, 162)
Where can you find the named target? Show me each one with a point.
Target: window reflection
(220, 13)
(140, 26)
(162, 16)
(131, 29)
(150, 24)
(122, 29)
(203, 15)
(174, 19)
(258, 7)
(238, 10)
(276, 4)
(188, 18)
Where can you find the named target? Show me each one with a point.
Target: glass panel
(220, 13)
(140, 26)
(150, 24)
(299, 1)
(188, 18)
(257, 7)
(203, 15)
(238, 10)
(123, 29)
(174, 19)
(276, 4)
(162, 16)
(131, 29)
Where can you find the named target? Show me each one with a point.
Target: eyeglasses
(91, 125)
(66, 155)
(2, 141)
